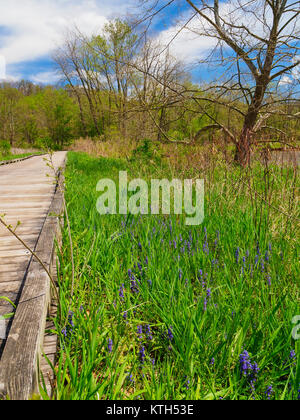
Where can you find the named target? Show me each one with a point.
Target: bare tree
(68, 59)
(257, 45)
(156, 78)
(98, 67)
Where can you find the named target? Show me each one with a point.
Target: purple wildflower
(249, 370)
(130, 274)
(142, 355)
(206, 248)
(70, 325)
(245, 362)
(293, 357)
(237, 255)
(130, 378)
(170, 333)
(148, 333)
(254, 368)
(269, 392)
(252, 387)
(257, 248)
(187, 383)
(70, 319)
(140, 331)
(110, 345)
(121, 292)
(133, 287)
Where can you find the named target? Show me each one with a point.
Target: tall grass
(165, 311)
(12, 157)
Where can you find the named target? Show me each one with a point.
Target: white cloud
(294, 75)
(35, 27)
(185, 44)
(296, 70)
(46, 77)
(190, 43)
(4, 77)
(285, 80)
(2, 67)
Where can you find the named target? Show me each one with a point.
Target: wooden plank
(11, 240)
(14, 253)
(10, 286)
(8, 162)
(7, 268)
(21, 354)
(12, 276)
(46, 374)
(12, 296)
(5, 308)
(16, 247)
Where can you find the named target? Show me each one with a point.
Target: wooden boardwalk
(26, 197)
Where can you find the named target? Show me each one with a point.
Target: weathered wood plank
(8, 162)
(46, 374)
(12, 276)
(22, 348)
(7, 268)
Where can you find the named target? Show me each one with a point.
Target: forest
(121, 85)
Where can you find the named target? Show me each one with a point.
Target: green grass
(12, 157)
(202, 310)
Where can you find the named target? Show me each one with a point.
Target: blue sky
(31, 29)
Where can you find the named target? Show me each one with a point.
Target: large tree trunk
(243, 148)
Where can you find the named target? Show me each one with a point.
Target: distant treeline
(113, 85)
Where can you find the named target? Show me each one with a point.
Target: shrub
(148, 150)
(4, 148)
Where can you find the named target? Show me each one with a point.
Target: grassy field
(12, 157)
(155, 309)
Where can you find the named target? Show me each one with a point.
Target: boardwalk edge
(19, 376)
